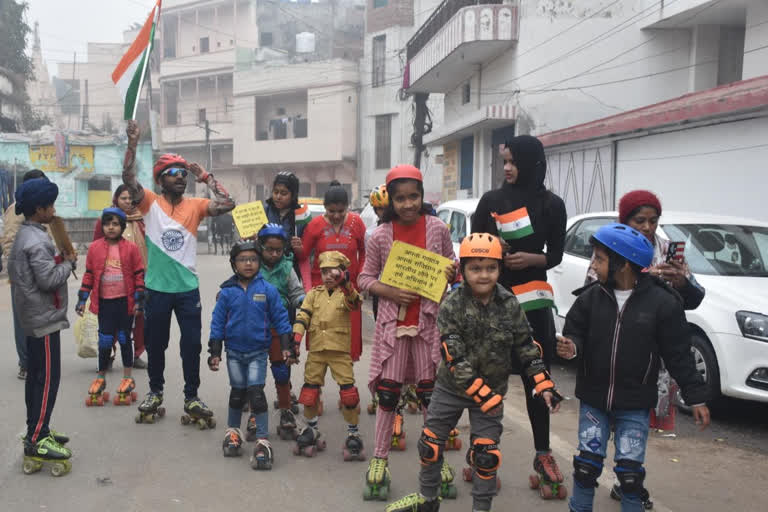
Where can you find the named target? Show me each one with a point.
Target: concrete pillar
(756, 61)
(705, 50)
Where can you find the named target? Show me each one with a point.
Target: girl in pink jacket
(406, 343)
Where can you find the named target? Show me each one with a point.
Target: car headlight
(753, 325)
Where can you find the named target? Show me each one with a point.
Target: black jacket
(619, 352)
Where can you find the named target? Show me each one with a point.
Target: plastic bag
(86, 330)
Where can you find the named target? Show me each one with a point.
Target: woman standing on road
(134, 232)
(528, 217)
(281, 209)
(343, 231)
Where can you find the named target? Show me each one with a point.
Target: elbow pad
(452, 350)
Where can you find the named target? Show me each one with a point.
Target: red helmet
(404, 171)
(165, 161)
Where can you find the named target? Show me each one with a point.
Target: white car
(729, 258)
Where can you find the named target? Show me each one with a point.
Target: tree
(13, 39)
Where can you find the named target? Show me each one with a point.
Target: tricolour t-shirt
(171, 233)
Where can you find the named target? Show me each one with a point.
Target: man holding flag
(171, 235)
(528, 218)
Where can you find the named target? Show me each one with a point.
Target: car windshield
(723, 249)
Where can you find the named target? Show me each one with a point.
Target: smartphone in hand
(676, 252)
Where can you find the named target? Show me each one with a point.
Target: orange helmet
(480, 245)
(404, 171)
(165, 161)
(379, 197)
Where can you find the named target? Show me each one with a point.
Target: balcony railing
(437, 20)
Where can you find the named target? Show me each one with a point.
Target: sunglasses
(175, 171)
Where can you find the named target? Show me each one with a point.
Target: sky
(67, 25)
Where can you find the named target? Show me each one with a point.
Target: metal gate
(584, 177)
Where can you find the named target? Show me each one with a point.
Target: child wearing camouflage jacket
(483, 332)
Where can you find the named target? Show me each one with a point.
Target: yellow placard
(44, 157)
(415, 269)
(249, 218)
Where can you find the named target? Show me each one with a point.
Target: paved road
(121, 466)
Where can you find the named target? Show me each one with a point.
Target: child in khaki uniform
(324, 315)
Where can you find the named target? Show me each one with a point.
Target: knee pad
(310, 395)
(389, 394)
(258, 399)
(424, 391)
(430, 448)
(237, 398)
(587, 468)
(281, 372)
(486, 457)
(106, 340)
(631, 475)
(122, 337)
(349, 396)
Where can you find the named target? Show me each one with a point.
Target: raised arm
(129, 162)
(222, 202)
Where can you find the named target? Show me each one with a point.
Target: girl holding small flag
(406, 345)
(283, 208)
(528, 217)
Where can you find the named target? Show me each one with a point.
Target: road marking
(564, 449)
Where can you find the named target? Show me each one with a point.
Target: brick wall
(396, 12)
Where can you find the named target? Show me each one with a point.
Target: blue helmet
(272, 229)
(626, 242)
(114, 211)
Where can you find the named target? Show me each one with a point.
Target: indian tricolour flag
(534, 295)
(302, 215)
(129, 74)
(514, 225)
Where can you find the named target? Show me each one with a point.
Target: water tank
(305, 42)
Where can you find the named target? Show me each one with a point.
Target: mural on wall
(48, 158)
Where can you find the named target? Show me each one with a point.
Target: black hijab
(529, 190)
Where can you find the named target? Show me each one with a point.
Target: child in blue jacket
(246, 309)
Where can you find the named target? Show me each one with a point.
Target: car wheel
(706, 365)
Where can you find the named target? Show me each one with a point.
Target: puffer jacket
(38, 281)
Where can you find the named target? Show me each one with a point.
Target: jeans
(246, 370)
(157, 331)
(21, 338)
(630, 440)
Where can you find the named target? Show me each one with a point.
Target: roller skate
(398, 432)
(469, 473)
(447, 489)
(59, 437)
(47, 450)
(377, 480)
(149, 409)
(233, 443)
(309, 442)
(251, 429)
(198, 413)
(411, 400)
(453, 442)
(645, 496)
(286, 430)
(125, 392)
(96, 393)
(262, 457)
(548, 479)
(353, 448)
(373, 405)
(414, 503)
(294, 404)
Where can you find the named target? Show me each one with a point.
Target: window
(383, 141)
(445, 216)
(379, 3)
(577, 238)
(265, 39)
(458, 227)
(201, 115)
(466, 93)
(204, 45)
(379, 60)
(467, 162)
(99, 192)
